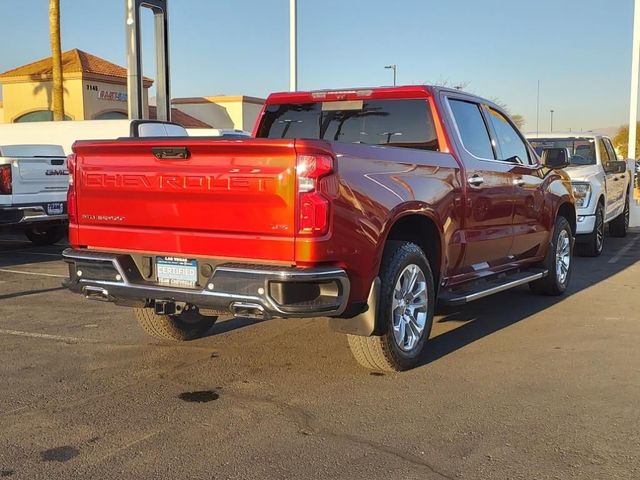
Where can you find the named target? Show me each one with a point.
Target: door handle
(519, 182)
(475, 180)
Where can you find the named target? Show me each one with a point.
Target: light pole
(551, 120)
(393, 67)
(538, 110)
(293, 46)
(635, 65)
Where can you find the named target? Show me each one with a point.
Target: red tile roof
(73, 62)
(178, 116)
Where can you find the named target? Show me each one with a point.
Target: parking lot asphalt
(511, 386)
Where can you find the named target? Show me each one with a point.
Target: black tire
(42, 236)
(618, 226)
(381, 351)
(592, 244)
(554, 284)
(188, 325)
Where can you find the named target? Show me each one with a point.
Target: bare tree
(56, 56)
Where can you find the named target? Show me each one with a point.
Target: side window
(604, 155)
(612, 152)
(473, 130)
(510, 143)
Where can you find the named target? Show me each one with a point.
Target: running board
(489, 287)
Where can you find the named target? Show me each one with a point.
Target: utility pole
(551, 120)
(293, 46)
(393, 67)
(635, 65)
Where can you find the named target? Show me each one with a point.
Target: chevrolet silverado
(366, 206)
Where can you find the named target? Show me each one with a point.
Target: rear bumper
(28, 214)
(257, 290)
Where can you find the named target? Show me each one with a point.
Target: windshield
(582, 150)
(396, 123)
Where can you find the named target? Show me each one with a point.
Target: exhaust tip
(247, 310)
(96, 293)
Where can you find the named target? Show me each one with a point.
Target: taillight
(313, 206)
(72, 207)
(5, 179)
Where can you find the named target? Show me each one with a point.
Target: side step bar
(489, 287)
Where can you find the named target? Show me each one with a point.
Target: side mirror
(555, 157)
(617, 166)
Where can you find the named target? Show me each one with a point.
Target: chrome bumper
(239, 289)
(19, 215)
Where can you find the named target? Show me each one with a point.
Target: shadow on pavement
(29, 292)
(489, 315)
(15, 250)
(228, 324)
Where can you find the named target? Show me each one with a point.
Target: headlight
(582, 192)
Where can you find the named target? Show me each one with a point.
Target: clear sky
(580, 50)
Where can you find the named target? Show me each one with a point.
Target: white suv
(601, 184)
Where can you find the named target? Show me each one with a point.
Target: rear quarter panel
(377, 186)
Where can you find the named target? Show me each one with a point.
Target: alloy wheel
(409, 307)
(599, 232)
(563, 257)
(626, 215)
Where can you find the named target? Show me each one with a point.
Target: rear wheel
(45, 235)
(187, 325)
(619, 225)
(591, 245)
(558, 262)
(405, 311)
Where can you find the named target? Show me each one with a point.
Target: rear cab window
(393, 123)
(473, 130)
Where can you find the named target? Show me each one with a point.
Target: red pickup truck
(366, 206)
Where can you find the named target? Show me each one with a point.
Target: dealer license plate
(55, 208)
(177, 272)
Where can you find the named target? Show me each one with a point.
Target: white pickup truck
(33, 169)
(601, 184)
(33, 191)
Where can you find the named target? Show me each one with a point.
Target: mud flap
(363, 324)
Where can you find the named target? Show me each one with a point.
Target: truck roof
(565, 135)
(360, 93)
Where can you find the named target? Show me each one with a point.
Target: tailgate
(33, 175)
(230, 199)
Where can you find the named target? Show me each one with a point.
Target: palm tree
(56, 55)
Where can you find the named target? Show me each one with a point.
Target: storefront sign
(112, 96)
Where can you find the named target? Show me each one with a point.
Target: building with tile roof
(178, 116)
(94, 88)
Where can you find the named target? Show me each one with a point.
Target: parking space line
(33, 273)
(46, 336)
(623, 250)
